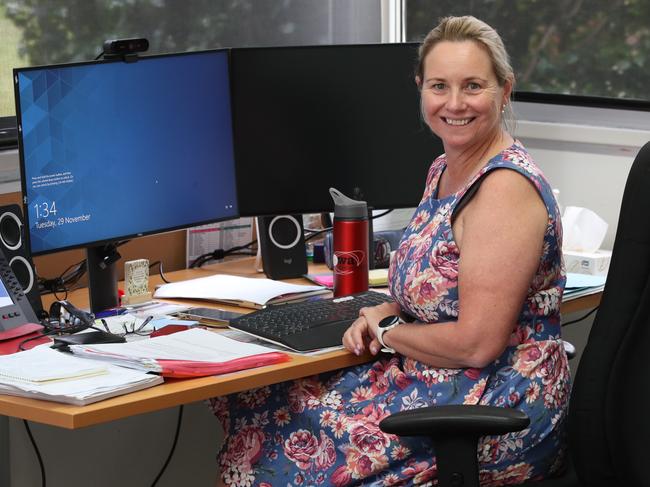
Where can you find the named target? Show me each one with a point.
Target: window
(37, 32)
(585, 52)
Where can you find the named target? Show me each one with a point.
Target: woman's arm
(500, 234)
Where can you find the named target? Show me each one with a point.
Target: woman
(479, 268)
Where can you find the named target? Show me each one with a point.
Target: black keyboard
(308, 325)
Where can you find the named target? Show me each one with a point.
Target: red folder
(183, 369)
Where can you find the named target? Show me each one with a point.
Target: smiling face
(461, 97)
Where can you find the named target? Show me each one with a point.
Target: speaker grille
(10, 232)
(285, 231)
(13, 247)
(23, 271)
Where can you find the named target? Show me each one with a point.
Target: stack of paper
(376, 278)
(191, 353)
(578, 285)
(43, 373)
(242, 291)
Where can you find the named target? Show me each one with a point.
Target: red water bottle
(350, 257)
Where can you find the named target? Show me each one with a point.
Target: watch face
(388, 321)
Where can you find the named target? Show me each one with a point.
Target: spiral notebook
(43, 373)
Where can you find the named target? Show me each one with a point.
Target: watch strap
(382, 330)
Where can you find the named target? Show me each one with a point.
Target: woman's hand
(363, 332)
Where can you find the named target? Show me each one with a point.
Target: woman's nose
(456, 100)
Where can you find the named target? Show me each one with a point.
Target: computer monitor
(113, 150)
(344, 116)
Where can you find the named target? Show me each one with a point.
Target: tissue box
(595, 263)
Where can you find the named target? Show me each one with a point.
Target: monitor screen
(112, 150)
(347, 116)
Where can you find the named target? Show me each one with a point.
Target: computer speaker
(14, 247)
(282, 246)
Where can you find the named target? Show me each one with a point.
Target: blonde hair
(469, 28)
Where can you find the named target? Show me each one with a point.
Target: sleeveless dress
(323, 430)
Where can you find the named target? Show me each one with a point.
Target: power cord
(36, 450)
(219, 254)
(68, 279)
(315, 233)
(171, 452)
(65, 281)
(160, 270)
(42, 335)
(374, 217)
(179, 422)
(581, 318)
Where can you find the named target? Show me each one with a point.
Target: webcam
(123, 48)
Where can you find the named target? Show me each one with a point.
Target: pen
(145, 305)
(110, 312)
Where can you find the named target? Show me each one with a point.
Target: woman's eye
(438, 86)
(473, 86)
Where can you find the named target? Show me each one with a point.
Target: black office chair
(609, 410)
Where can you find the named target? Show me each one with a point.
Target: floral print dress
(323, 430)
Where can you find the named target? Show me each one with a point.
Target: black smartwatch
(385, 324)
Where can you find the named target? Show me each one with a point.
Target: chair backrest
(609, 412)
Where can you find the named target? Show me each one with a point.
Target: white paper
(583, 230)
(80, 391)
(574, 280)
(234, 288)
(194, 344)
(42, 364)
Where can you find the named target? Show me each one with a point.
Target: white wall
(585, 153)
(588, 179)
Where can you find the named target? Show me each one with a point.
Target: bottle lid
(345, 207)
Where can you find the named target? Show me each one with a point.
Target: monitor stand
(102, 276)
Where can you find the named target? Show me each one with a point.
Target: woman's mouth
(457, 121)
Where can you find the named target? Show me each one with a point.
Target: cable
(43, 335)
(581, 318)
(374, 217)
(99, 55)
(38, 453)
(171, 452)
(160, 270)
(67, 279)
(316, 233)
(219, 254)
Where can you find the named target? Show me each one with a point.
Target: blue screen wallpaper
(118, 149)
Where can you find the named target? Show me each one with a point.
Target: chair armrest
(437, 421)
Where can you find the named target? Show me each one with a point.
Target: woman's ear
(507, 91)
(418, 82)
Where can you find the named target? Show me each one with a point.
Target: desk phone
(15, 309)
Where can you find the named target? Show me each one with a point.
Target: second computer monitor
(309, 118)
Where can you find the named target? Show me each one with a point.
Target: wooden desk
(176, 392)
